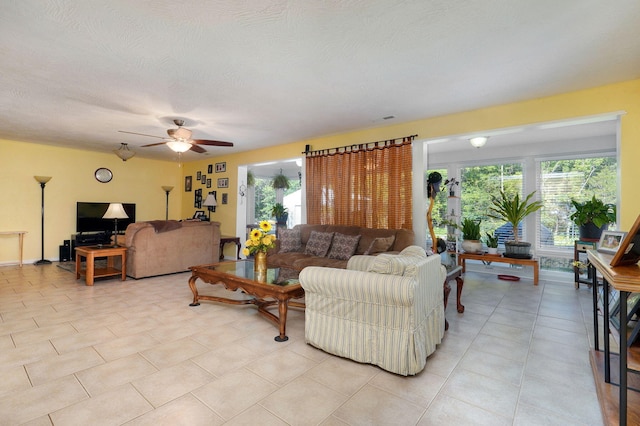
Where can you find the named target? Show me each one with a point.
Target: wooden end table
(454, 273)
(229, 240)
(239, 274)
(93, 252)
(488, 258)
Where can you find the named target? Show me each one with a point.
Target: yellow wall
(606, 99)
(135, 181)
(139, 180)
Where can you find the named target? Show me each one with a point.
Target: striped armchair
(385, 310)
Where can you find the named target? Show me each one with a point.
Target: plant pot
(492, 250)
(517, 250)
(590, 232)
(282, 220)
(472, 246)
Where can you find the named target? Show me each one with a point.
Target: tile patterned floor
(135, 353)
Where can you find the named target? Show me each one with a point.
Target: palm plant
(513, 210)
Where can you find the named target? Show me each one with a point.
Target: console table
(20, 235)
(484, 257)
(229, 240)
(625, 279)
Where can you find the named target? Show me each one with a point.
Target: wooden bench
(484, 257)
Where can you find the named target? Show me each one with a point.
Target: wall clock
(103, 175)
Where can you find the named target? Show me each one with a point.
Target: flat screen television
(89, 217)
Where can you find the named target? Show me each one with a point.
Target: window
(561, 180)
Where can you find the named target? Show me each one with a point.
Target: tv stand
(83, 239)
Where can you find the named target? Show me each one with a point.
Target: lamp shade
(210, 201)
(167, 188)
(179, 146)
(124, 152)
(478, 141)
(42, 179)
(115, 211)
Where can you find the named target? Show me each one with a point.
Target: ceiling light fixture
(124, 152)
(478, 141)
(179, 146)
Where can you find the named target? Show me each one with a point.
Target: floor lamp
(115, 211)
(167, 189)
(43, 181)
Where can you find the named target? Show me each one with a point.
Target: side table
(90, 253)
(229, 240)
(453, 273)
(581, 247)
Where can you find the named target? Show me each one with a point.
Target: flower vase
(260, 263)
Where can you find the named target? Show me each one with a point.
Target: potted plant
(451, 183)
(514, 210)
(492, 243)
(280, 213)
(280, 181)
(471, 235)
(592, 217)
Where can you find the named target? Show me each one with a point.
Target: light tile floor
(135, 353)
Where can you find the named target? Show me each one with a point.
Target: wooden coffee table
(93, 252)
(239, 274)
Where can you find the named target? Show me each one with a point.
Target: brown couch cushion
(319, 243)
(379, 245)
(343, 246)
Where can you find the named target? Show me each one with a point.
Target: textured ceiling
(266, 72)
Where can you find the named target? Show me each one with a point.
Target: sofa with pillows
(333, 245)
(385, 310)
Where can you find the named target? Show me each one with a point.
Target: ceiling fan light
(180, 133)
(124, 152)
(478, 141)
(178, 146)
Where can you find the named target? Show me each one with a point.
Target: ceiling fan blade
(213, 143)
(196, 148)
(141, 134)
(153, 144)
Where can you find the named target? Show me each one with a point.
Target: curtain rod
(358, 146)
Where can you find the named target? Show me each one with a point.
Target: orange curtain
(365, 185)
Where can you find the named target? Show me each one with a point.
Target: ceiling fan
(180, 141)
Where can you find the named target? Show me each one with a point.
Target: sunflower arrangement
(259, 240)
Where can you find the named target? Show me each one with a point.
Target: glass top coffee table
(278, 287)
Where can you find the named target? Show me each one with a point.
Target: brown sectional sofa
(298, 260)
(164, 247)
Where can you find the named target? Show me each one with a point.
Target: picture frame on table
(223, 182)
(629, 251)
(199, 214)
(221, 167)
(610, 241)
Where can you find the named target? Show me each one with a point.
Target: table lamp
(115, 211)
(210, 202)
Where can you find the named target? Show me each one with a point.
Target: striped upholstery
(391, 321)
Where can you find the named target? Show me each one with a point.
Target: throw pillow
(343, 246)
(415, 251)
(393, 264)
(289, 240)
(319, 243)
(379, 245)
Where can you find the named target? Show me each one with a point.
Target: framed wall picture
(629, 251)
(210, 168)
(223, 182)
(610, 241)
(197, 199)
(221, 167)
(208, 183)
(198, 175)
(203, 179)
(187, 183)
(225, 198)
